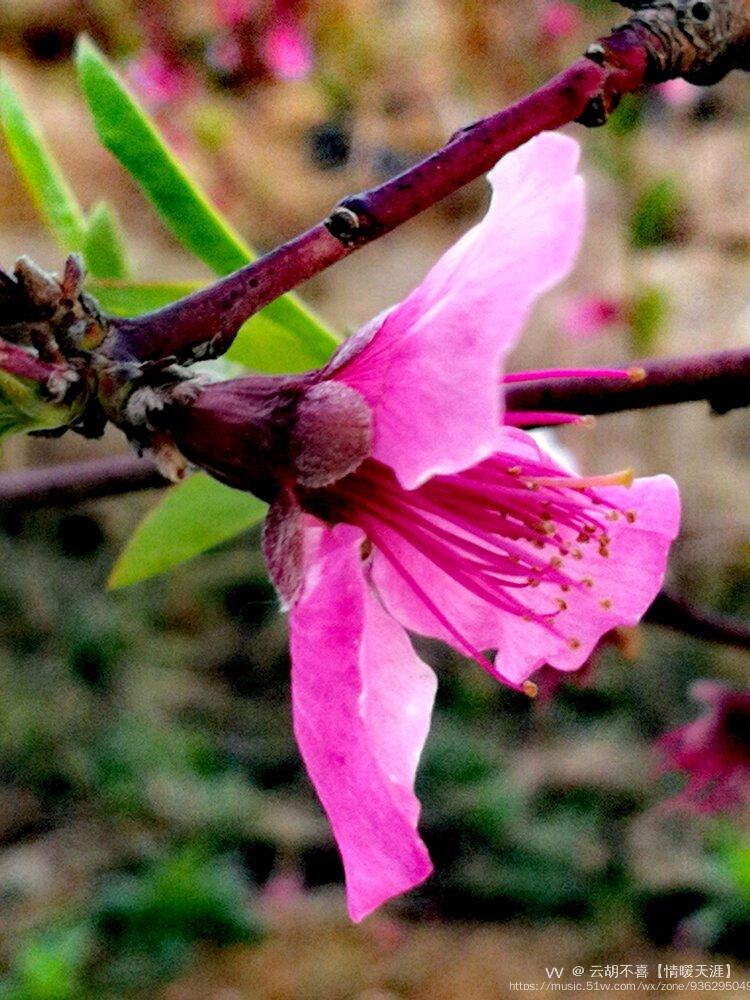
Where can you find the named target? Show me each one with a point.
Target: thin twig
(660, 41)
(721, 378)
(681, 616)
(216, 313)
(73, 482)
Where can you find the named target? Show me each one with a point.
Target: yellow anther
(637, 374)
(530, 689)
(562, 605)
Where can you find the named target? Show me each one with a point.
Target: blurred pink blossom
(159, 80)
(275, 30)
(402, 497)
(713, 751)
(560, 19)
(679, 93)
(587, 317)
(287, 52)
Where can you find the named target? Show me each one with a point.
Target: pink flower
(401, 501)
(587, 318)
(271, 32)
(560, 20)
(713, 751)
(287, 51)
(160, 80)
(679, 93)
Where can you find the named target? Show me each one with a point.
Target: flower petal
(362, 702)
(430, 371)
(607, 591)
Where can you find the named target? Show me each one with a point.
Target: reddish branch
(690, 619)
(216, 313)
(16, 361)
(700, 42)
(722, 378)
(73, 482)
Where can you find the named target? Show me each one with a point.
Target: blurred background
(158, 836)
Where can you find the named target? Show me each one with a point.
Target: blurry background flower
(713, 752)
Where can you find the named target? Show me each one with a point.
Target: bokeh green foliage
(155, 721)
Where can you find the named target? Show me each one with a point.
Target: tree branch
(73, 482)
(682, 616)
(721, 378)
(660, 41)
(216, 313)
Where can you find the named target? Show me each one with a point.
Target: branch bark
(721, 378)
(663, 39)
(73, 482)
(216, 313)
(679, 615)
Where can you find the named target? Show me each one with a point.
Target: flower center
(512, 534)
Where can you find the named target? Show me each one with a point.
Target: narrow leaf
(194, 517)
(130, 135)
(103, 245)
(41, 173)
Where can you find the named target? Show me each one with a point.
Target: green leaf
(103, 245)
(23, 408)
(41, 173)
(195, 516)
(128, 133)
(649, 313)
(131, 298)
(658, 215)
